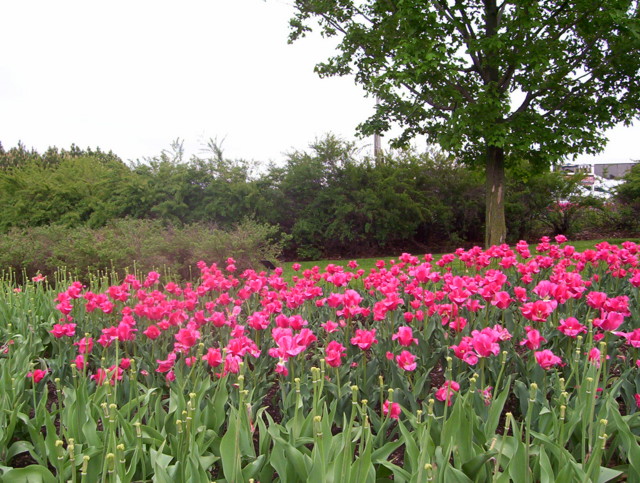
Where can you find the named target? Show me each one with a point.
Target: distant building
(599, 180)
(612, 171)
(603, 170)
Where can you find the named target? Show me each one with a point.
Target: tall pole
(377, 148)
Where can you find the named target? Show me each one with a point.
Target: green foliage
(145, 245)
(329, 199)
(509, 419)
(541, 203)
(75, 191)
(629, 191)
(492, 82)
(20, 156)
(333, 202)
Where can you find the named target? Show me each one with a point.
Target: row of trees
(331, 200)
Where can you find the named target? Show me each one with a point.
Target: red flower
(152, 332)
(571, 327)
(84, 345)
(333, 352)
(364, 338)
(533, 339)
(281, 368)
(539, 310)
(547, 359)
(329, 326)
(594, 357)
(392, 409)
(407, 361)
(213, 357)
(37, 375)
(447, 390)
(502, 300)
(100, 376)
(186, 338)
(596, 300)
(560, 238)
(167, 364)
(39, 278)
(79, 361)
(485, 342)
(404, 336)
(60, 330)
(612, 321)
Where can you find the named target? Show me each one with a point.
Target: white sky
(132, 76)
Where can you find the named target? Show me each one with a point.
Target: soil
(22, 460)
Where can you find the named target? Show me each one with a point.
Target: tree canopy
(491, 82)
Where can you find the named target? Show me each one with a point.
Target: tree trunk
(495, 225)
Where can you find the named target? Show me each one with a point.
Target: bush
(547, 203)
(145, 245)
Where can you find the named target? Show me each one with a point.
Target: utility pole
(377, 148)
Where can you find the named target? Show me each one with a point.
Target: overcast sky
(131, 76)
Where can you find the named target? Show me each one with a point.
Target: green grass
(367, 264)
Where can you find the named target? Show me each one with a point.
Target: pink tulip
(547, 359)
(334, 352)
(571, 327)
(407, 361)
(364, 339)
(37, 375)
(404, 336)
(445, 393)
(391, 409)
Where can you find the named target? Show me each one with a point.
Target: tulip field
(516, 363)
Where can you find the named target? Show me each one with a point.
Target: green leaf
(473, 467)
(230, 450)
(17, 448)
(279, 461)
(219, 402)
(151, 435)
(90, 431)
(301, 462)
(253, 468)
(412, 453)
(454, 475)
(608, 474)
(382, 453)
(159, 459)
(495, 410)
(30, 474)
(207, 461)
(195, 472)
(399, 474)
(629, 442)
(546, 471)
(518, 465)
(362, 470)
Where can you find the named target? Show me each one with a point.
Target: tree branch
(464, 26)
(427, 99)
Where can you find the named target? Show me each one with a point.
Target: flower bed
(510, 364)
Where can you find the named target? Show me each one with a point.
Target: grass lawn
(368, 263)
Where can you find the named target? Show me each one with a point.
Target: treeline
(327, 200)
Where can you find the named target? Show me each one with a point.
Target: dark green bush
(329, 199)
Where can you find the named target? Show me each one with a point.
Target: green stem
(527, 438)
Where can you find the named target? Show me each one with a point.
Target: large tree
(489, 81)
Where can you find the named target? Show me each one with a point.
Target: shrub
(145, 245)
